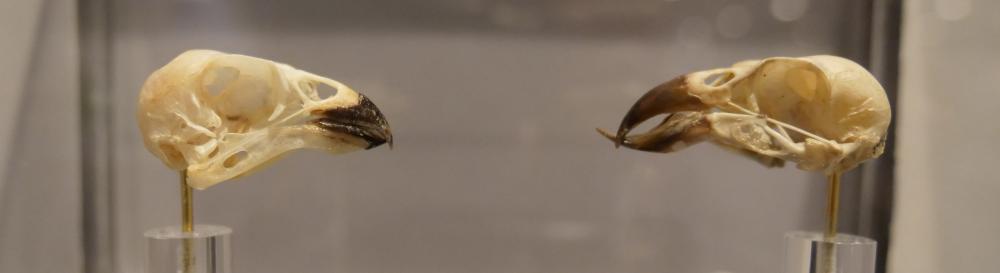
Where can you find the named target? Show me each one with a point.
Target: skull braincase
(823, 112)
(221, 115)
(834, 99)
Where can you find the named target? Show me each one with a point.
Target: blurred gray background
(493, 103)
(497, 167)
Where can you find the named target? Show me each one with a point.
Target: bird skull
(825, 113)
(220, 116)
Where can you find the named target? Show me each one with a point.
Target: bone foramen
(825, 113)
(220, 116)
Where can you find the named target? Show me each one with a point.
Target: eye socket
(234, 159)
(718, 79)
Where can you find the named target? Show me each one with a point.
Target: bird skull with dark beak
(220, 116)
(825, 113)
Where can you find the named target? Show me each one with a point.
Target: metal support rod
(187, 205)
(187, 222)
(832, 204)
(828, 263)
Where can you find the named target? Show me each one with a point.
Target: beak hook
(669, 97)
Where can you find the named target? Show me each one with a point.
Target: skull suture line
(220, 116)
(825, 113)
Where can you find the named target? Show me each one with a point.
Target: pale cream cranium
(825, 113)
(220, 116)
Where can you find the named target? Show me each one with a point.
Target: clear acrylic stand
(206, 250)
(810, 252)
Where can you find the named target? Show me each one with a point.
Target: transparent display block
(810, 252)
(205, 250)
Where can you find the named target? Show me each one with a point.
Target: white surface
(946, 217)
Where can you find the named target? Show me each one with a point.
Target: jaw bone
(824, 113)
(220, 116)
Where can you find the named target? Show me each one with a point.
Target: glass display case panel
(496, 165)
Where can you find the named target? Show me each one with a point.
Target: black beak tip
(383, 129)
(372, 143)
(388, 138)
(363, 120)
(377, 136)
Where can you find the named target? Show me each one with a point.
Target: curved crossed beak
(670, 98)
(362, 120)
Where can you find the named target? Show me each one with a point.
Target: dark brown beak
(363, 121)
(676, 131)
(667, 98)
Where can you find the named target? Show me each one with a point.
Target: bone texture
(222, 115)
(824, 113)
